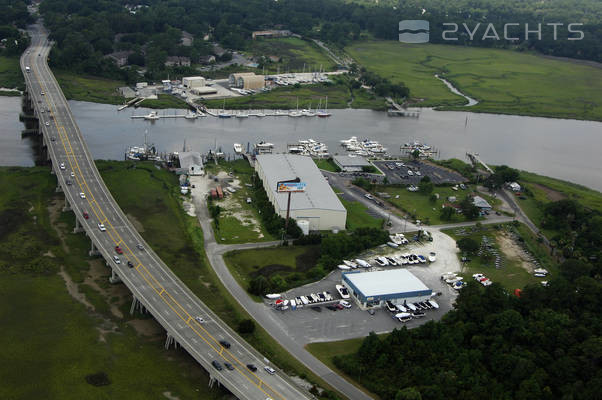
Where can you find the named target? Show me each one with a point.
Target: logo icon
(414, 31)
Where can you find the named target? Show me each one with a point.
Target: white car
(418, 173)
(42, 93)
(345, 304)
(117, 260)
(199, 320)
(269, 370)
(102, 227)
(82, 195)
(72, 174)
(47, 123)
(62, 165)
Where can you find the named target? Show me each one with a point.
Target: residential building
(177, 61)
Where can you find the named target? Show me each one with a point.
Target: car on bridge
(117, 260)
(225, 344)
(130, 264)
(42, 93)
(199, 320)
(86, 215)
(102, 227)
(216, 365)
(47, 123)
(82, 195)
(62, 165)
(269, 370)
(252, 367)
(53, 139)
(118, 250)
(228, 366)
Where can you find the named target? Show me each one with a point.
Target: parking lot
(316, 323)
(401, 175)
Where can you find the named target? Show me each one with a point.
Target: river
(565, 149)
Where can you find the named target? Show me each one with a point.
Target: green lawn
(295, 54)
(89, 88)
(291, 263)
(326, 164)
(419, 206)
(503, 81)
(238, 221)
(358, 217)
(52, 342)
(178, 240)
(285, 98)
(10, 73)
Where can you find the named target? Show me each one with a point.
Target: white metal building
(350, 164)
(191, 161)
(318, 205)
(481, 203)
(372, 289)
(190, 82)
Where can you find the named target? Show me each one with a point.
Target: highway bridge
(188, 322)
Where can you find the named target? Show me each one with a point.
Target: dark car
(252, 367)
(228, 366)
(130, 264)
(332, 308)
(225, 344)
(316, 308)
(216, 365)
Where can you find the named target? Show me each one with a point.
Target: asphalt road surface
(173, 305)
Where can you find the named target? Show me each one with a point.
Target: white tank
(304, 225)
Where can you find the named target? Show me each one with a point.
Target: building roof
(190, 158)
(381, 283)
(347, 161)
(193, 78)
(480, 202)
(318, 193)
(242, 74)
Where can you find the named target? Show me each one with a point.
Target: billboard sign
(290, 187)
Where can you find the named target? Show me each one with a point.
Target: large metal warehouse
(372, 289)
(318, 204)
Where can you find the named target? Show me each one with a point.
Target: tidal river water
(560, 148)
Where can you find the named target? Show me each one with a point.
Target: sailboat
(295, 114)
(324, 113)
(223, 113)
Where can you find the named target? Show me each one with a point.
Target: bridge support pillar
(137, 306)
(78, 227)
(58, 189)
(169, 341)
(93, 250)
(67, 206)
(114, 278)
(212, 381)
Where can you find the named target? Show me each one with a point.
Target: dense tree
(468, 245)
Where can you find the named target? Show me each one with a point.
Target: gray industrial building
(318, 204)
(372, 289)
(350, 164)
(191, 163)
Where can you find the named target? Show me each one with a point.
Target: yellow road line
(73, 163)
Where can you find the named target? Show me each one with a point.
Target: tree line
(544, 344)
(87, 31)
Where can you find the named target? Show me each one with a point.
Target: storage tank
(304, 225)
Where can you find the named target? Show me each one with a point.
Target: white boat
(260, 115)
(242, 115)
(362, 263)
(264, 145)
(191, 115)
(433, 303)
(432, 256)
(273, 296)
(344, 267)
(350, 263)
(391, 244)
(324, 113)
(295, 114)
(238, 148)
(152, 116)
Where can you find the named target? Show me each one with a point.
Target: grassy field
(419, 206)
(10, 73)
(51, 342)
(358, 217)
(238, 221)
(294, 53)
(503, 81)
(326, 164)
(164, 101)
(284, 98)
(89, 88)
(512, 275)
(291, 263)
(161, 216)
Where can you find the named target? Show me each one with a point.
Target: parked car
(345, 304)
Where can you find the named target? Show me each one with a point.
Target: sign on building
(291, 187)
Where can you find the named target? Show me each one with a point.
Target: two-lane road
(192, 324)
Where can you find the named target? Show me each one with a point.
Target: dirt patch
(170, 396)
(137, 224)
(98, 273)
(551, 194)
(513, 250)
(73, 290)
(146, 327)
(50, 254)
(188, 207)
(54, 212)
